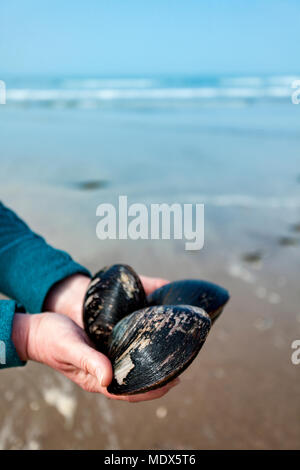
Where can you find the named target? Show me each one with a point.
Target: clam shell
(152, 346)
(211, 297)
(149, 341)
(113, 293)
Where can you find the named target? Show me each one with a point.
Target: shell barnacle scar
(149, 340)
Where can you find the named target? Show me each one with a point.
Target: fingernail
(99, 375)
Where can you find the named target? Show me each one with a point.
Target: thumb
(93, 362)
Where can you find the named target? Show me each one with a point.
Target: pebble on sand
(161, 412)
(296, 227)
(288, 241)
(274, 298)
(263, 324)
(253, 257)
(34, 406)
(91, 185)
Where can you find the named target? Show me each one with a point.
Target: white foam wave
(256, 81)
(88, 83)
(204, 93)
(243, 81)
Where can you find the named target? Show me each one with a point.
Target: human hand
(67, 296)
(55, 340)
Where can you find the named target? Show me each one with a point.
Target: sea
(230, 142)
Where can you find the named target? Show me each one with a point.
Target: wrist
(66, 297)
(26, 335)
(20, 334)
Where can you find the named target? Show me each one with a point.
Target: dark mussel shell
(149, 341)
(206, 295)
(113, 293)
(151, 347)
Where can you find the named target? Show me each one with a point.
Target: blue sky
(136, 37)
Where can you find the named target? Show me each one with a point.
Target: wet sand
(241, 392)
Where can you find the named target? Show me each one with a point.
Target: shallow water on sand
(243, 390)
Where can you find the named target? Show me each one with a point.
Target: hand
(67, 296)
(56, 341)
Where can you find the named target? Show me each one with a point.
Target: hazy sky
(97, 37)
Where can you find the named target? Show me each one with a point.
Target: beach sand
(242, 391)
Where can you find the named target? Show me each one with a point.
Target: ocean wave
(92, 83)
(243, 81)
(110, 94)
(93, 92)
(259, 81)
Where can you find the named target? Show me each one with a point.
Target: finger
(91, 384)
(152, 283)
(84, 380)
(151, 395)
(92, 362)
(154, 394)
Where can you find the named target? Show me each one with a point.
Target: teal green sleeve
(29, 267)
(8, 353)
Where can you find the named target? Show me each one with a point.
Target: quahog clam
(113, 293)
(149, 341)
(150, 347)
(211, 297)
